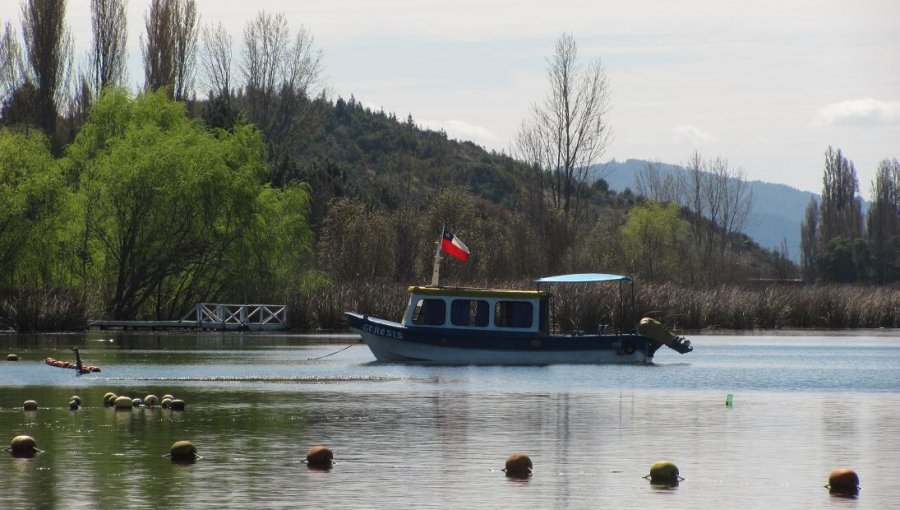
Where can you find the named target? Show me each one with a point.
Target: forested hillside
(137, 204)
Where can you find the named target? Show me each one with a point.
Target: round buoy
(73, 405)
(166, 403)
(123, 404)
(76, 398)
(664, 472)
(136, 402)
(177, 405)
(167, 396)
(151, 400)
(108, 397)
(183, 451)
(12, 357)
(319, 456)
(23, 446)
(30, 405)
(843, 481)
(94, 369)
(518, 465)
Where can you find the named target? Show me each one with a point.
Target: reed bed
(42, 309)
(584, 307)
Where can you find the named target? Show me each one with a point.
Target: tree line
(838, 242)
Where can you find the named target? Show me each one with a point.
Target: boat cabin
(478, 309)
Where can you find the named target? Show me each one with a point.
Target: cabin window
(469, 312)
(513, 314)
(430, 312)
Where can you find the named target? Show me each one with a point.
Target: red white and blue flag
(451, 245)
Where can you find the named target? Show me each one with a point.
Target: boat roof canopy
(584, 278)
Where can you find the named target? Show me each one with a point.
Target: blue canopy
(583, 278)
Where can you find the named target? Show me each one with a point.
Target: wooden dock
(211, 317)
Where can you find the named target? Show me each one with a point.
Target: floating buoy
(136, 402)
(844, 482)
(76, 398)
(729, 400)
(22, 446)
(123, 404)
(664, 472)
(518, 465)
(183, 451)
(177, 405)
(73, 405)
(30, 405)
(166, 403)
(151, 400)
(167, 396)
(12, 357)
(319, 457)
(107, 397)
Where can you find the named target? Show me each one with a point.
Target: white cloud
(693, 135)
(463, 130)
(859, 112)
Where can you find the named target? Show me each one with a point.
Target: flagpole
(436, 271)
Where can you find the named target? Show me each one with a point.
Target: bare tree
(569, 131)
(171, 46)
(107, 54)
(48, 57)
(215, 60)
(10, 62)
(275, 64)
(650, 183)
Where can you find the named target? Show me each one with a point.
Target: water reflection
(437, 437)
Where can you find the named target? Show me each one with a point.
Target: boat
(473, 326)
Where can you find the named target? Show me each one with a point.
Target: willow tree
(170, 208)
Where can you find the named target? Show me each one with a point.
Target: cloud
(463, 130)
(693, 135)
(859, 112)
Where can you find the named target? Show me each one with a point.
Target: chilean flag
(451, 245)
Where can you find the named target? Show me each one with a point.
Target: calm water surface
(437, 437)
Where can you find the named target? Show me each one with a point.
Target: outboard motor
(661, 336)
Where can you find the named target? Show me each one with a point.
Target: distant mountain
(777, 211)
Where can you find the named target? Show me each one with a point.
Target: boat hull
(391, 342)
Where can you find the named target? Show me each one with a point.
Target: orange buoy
(843, 481)
(319, 457)
(518, 465)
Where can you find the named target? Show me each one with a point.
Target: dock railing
(235, 316)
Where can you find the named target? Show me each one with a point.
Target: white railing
(230, 316)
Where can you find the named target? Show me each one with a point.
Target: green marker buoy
(728, 400)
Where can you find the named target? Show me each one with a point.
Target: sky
(767, 84)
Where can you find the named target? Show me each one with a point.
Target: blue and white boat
(463, 326)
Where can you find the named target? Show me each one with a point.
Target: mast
(436, 271)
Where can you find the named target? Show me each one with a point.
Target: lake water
(437, 437)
